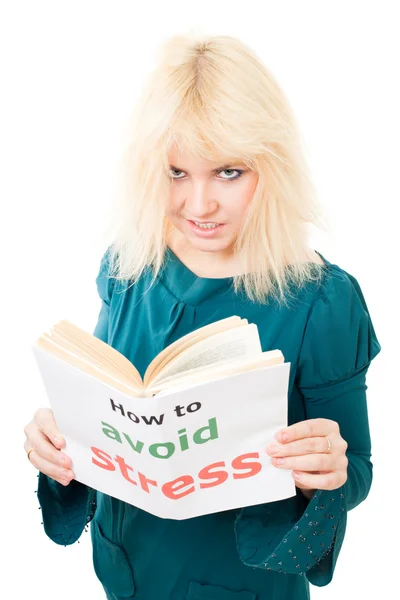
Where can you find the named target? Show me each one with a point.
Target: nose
(199, 202)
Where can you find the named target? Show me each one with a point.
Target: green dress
(266, 552)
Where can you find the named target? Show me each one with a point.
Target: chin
(206, 245)
(223, 244)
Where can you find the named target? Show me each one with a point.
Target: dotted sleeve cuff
(275, 537)
(66, 510)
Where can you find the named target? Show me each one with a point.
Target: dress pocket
(197, 591)
(111, 565)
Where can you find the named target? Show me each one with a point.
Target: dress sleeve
(66, 510)
(305, 536)
(105, 286)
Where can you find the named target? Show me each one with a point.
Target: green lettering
(154, 450)
(183, 440)
(211, 428)
(111, 432)
(138, 447)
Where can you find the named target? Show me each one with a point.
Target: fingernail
(281, 436)
(57, 440)
(65, 474)
(272, 449)
(296, 475)
(279, 461)
(61, 461)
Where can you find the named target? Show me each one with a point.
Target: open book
(188, 439)
(225, 347)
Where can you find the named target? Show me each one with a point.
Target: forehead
(186, 160)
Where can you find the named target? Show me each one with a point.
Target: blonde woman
(213, 220)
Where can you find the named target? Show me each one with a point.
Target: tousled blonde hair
(211, 95)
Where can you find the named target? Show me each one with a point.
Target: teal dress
(272, 551)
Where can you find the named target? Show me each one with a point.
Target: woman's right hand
(43, 436)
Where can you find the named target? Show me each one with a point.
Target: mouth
(205, 228)
(206, 224)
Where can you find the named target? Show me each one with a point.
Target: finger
(311, 445)
(321, 481)
(63, 476)
(43, 447)
(308, 462)
(307, 428)
(44, 419)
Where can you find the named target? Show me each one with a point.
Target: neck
(203, 263)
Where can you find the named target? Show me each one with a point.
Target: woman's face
(208, 200)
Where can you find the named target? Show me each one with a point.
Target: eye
(231, 171)
(176, 171)
(228, 171)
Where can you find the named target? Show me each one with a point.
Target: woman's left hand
(304, 448)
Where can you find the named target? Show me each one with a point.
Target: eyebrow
(229, 166)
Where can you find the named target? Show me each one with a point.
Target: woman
(213, 222)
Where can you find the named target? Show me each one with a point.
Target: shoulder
(104, 279)
(316, 258)
(339, 288)
(329, 285)
(339, 336)
(332, 280)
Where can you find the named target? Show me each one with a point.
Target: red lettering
(124, 469)
(144, 481)
(108, 466)
(252, 467)
(210, 476)
(218, 476)
(171, 488)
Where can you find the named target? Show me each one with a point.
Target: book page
(54, 351)
(206, 374)
(237, 343)
(84, 344)
(188, 340)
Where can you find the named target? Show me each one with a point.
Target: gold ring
(329, 445)
(29, 453)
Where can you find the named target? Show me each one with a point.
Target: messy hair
(211, 95)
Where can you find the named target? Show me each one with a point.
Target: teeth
(206, 225)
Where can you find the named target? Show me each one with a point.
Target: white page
(205, 374)
(221, 347)
(241, 414)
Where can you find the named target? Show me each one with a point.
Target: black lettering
(116, 407)
(149, 420)
(178, 409)
(133, 417)
(196, 406)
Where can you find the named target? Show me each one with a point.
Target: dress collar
(188, 287)
(191, 289)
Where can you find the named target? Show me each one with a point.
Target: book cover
(180, 454)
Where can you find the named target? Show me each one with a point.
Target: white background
(70, 72)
